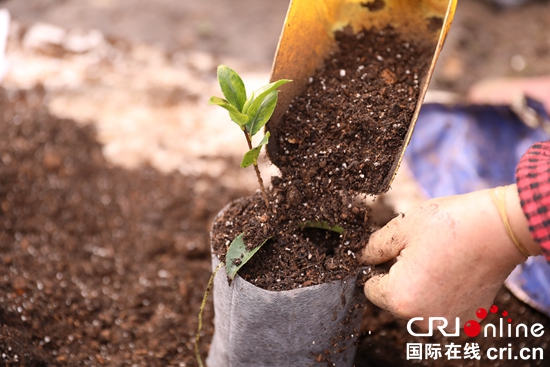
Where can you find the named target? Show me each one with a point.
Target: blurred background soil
(115, 277)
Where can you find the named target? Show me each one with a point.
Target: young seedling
(251, 113)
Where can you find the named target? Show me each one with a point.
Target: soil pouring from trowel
(291, 291)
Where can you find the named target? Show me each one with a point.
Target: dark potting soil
(340, 139)
(346, 130)
(99, 266)
(294, 257)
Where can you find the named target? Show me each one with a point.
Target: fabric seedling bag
(302, 327)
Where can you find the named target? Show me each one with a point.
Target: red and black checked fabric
(533, 179)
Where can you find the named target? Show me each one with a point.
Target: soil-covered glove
(451, 255)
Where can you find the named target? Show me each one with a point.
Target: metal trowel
(308, 39)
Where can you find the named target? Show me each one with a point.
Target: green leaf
(238, 255)
(266, 89)
(251, 157)
(232, 86)
(322, 225)
(248, 103)
(263, 105)
(265, 139)
(260, 116)
(239, 118)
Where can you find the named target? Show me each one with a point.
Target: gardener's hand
(451, 256)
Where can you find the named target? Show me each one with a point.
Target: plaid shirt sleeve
(533, 179)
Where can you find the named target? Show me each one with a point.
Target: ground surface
(103, 260)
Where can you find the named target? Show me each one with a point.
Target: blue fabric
(530, 282)
(459, 149)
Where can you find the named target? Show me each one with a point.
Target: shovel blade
(308, 39)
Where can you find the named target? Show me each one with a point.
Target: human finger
(384, 244)
(377, 290)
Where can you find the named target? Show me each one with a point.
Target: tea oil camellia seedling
(251, 114)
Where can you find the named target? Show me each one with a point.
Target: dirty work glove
(451, 256)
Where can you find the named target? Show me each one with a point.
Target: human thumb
(384, 244)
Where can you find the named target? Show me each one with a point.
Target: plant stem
(261, 182)
(203, 304)
(258, 175)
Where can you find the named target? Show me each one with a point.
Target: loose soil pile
(99, 265)
(340, 140)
